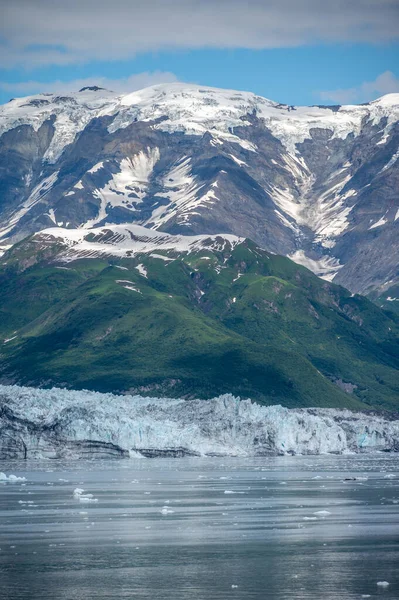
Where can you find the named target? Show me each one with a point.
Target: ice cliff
(59, 423)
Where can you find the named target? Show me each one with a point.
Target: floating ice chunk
(79, 494)
(322, 513)
(87, 499)
(389, 476)
(11, 478)
(234, 587)
(166, 511)
(310, 518)
(383, 584)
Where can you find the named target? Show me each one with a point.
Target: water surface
(201, 529)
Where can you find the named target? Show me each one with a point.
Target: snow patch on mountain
(181, 189)
(380, 222)
(127, 187)
(129, 240)
(325, 267)
(38, 194)
(391, 162)
(55, 423)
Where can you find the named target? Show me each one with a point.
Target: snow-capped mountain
(318, 184)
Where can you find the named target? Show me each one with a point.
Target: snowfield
(192, 109)
(128, 240)
(73, 424)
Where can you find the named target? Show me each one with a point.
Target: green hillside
(388, 300)
(241, 321)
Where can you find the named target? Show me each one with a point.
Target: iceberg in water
(62, 423)
(11, 478)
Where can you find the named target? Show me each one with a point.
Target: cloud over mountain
(385, 83)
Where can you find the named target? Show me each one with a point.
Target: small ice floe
(389, 476)
(322, 513)
(79, 494)
(11, 478)
(310, 518)
(234, 586)
(166, 511)
(383, 584)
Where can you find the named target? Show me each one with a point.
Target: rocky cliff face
(318, 184)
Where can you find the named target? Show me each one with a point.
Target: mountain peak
(387, 100)
(92, 88)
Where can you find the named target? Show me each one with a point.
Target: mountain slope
(318, 184)
(123, 308)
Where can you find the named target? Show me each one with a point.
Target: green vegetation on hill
(388, 300)
(241, 321)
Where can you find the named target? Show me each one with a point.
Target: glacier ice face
(59, 423)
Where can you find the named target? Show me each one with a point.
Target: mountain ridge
(317, 184)
(119, 308)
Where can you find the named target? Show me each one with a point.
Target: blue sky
(292, 51)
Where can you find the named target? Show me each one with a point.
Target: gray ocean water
(201, 529)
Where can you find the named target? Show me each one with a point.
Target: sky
(291, 51)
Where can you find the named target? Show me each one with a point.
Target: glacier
(59, 423)
(191, 109)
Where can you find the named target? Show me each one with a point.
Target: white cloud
(41, 32)
(125, 84)
(385, 83)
